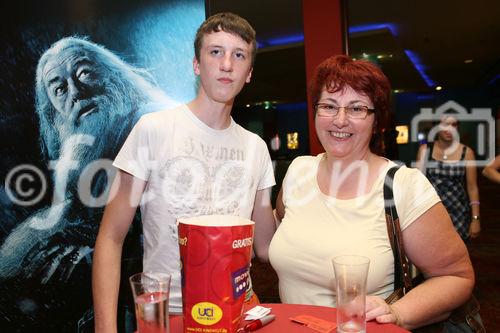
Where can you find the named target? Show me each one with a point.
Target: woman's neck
(342, 164)
(442, 144)
(349, 179)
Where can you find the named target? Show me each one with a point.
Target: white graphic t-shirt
(191, 170)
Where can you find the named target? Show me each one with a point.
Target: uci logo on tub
(206, 313)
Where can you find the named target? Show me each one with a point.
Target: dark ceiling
(418, 44)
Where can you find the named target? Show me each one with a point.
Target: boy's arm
(125, 196)
(265, 226)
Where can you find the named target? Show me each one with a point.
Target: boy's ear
(196, 66)
(249, 76)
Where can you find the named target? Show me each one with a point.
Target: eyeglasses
(353, 112)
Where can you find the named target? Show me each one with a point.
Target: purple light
(415, 59)
(494, 79)
(282, 40)
(412, 56)
(425, 96)
(292, 106)
(391, 27)
(373, 27)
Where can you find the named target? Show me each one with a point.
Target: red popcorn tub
(215, 253)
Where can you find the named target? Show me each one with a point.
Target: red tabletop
(282, 323)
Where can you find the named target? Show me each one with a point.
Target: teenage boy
(188, 161)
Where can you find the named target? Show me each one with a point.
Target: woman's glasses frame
(353, 112)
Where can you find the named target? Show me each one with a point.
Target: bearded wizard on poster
(87, 100)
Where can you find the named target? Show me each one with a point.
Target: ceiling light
(467, 61)
(248, 105)
(380, 56)
(439, 88)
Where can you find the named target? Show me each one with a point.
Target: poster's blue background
(156, 35)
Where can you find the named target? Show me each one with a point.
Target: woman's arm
(473, 192)
(280, 206)
(491, 170)
(434, 246)
(421, 157)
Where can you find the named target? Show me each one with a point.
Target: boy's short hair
(230, 23)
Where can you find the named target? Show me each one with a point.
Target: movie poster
(75, 76)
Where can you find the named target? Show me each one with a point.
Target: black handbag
(466, 318)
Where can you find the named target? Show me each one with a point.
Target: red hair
(337, 72)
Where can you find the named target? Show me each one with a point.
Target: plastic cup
(351, 272)
(151, 291)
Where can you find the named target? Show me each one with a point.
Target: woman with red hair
(333, 204)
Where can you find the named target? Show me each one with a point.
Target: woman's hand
(378, 309)
(475, 228)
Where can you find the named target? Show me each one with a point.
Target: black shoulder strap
(401, 268)
(430, 149)
(390, 206)
(464, 150)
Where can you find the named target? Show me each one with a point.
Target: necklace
(444, 152)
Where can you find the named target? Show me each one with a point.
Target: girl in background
(450, 167)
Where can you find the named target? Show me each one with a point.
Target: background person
(491, 172)
(451, 169)
(188, 161)
(332, 204)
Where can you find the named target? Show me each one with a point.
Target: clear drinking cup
(151, 291)
(351, 272)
